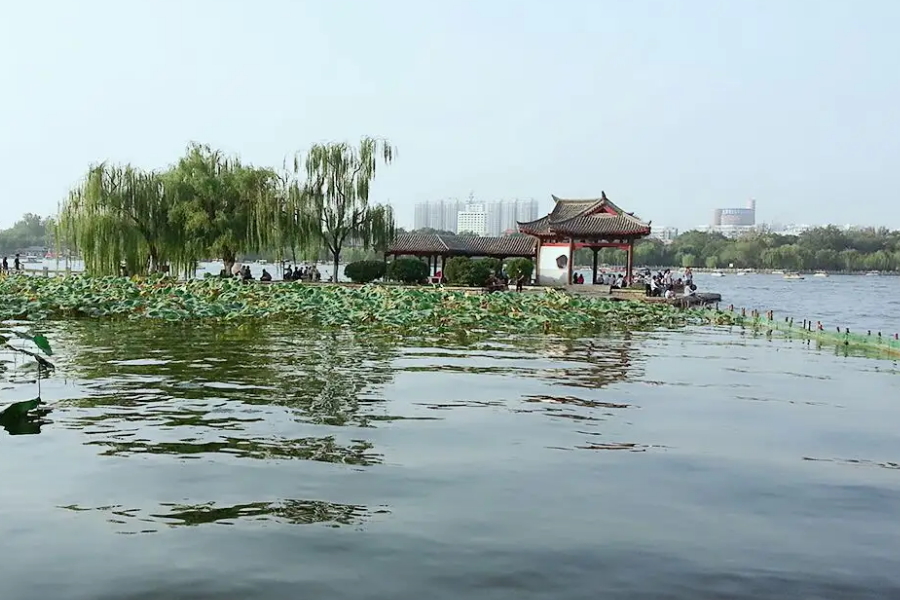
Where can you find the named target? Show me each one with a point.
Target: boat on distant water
(793, 276)
(717, 274)
(873, 273)
(32, 258)
(777, 272)
(820, 274)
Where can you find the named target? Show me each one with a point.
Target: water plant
(25, 416)
(371, 307)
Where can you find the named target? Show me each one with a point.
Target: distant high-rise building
(666, 235)
(735, 217)
(437, 214)
(472, 220)
(500, 217)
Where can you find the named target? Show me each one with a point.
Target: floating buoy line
(871, 341)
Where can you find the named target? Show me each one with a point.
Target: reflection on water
(323, 449)
(293, 512)
(700, 464)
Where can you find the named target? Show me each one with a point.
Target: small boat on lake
(777, 272)
(820, 274)
(793, 276)
(717, 274)
(873, 274)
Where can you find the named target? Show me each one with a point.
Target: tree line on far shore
(822, 248)
(209, 205)
(31, 231)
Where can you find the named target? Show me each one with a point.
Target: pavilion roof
(585, 218)
(450, 245)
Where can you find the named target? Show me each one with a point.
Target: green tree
(336, 205)
(120, 214)
(30, 230)
(224, 207)
(430, 231)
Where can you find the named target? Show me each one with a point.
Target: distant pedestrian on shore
(17, 263)
(5, 267)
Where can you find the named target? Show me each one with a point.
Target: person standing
(5, 267)
(17, 263)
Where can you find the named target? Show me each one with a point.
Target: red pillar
(537, 262)
(629, 266)
(571, 261)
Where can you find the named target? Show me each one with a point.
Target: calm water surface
(855, 301)
(193, 462)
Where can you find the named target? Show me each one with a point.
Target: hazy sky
(672, 107)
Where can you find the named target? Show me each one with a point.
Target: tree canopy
(30, 231)
(209, 205)
(336, 208)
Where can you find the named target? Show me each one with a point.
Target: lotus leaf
(406, 310)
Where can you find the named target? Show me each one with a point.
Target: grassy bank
(402, 309)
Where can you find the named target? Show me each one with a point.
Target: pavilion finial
(602, 195)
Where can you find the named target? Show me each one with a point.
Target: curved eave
(605, 234)
(538, 227)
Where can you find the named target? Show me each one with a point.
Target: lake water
(212, 462)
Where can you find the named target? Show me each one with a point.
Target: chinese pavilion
(591, 223)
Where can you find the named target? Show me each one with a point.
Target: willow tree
(120, 215)
(224, 207)
(335, 198)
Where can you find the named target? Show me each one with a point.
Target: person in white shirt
(670, 293)
(690, 289)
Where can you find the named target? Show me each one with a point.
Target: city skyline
(483, 217)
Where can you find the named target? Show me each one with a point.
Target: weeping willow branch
(333, 200)
(223, 206)
(209, 204)
(119, 215)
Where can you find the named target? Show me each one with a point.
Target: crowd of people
(290, 273)
(665, 284)
(298, 273)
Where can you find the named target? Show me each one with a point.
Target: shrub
(461, 270)
(456, 270)
(494, 265)
(519, 266)
(408, 270)
(365, 271)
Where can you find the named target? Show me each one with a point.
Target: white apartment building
(473, 219)
(666, 235)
